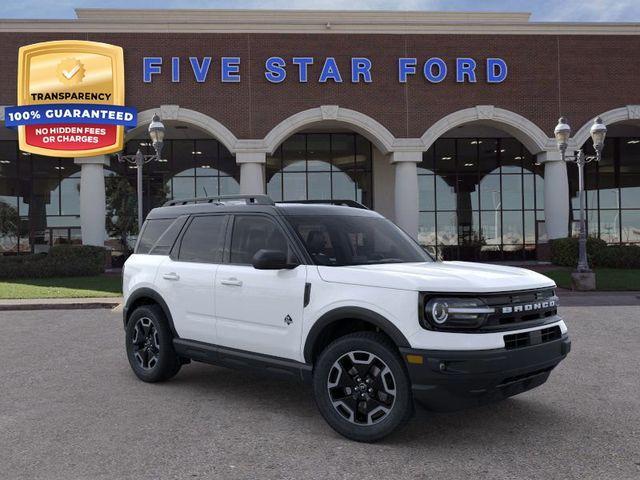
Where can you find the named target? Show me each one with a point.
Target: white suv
(337, 296)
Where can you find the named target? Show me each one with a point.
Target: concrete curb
(60, 304)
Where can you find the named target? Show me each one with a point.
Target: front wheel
(150, 345)
(362, 388)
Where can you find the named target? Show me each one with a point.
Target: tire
(370, 402)
(149, 344)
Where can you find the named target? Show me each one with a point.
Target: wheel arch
(331, 320)
(147, 296)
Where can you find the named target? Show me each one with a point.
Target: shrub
(61, 261)
(564, 252)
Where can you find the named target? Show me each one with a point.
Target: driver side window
(254, 232)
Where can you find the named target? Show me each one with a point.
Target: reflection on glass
(206, 186)
(512, 192)
(343, 186)
(320, 186)
(294, 186)
(229, 186)
(427, 228)
(490, 192)
(447, 228)
(610, 226)
(426, 195)
(630, 226)
(445, 194)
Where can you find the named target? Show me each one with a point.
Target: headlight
(456, 312)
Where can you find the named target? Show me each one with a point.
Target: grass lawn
(606, 278)
(69, 287)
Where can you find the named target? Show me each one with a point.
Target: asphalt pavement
(70, 408)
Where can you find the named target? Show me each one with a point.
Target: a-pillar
(406, 190)
(556, 194)
(251, 172)
(93, 209)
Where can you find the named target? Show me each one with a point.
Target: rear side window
(167, 239)
(151, 232)
(203, 240)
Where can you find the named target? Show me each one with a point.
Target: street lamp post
(156, 133)
(562, 133)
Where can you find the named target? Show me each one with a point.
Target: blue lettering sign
(406, 66)
(275, 69)
(465, 67)
(428, 70)
(303, 64)
(200, 71)
(230, 70)
(496, 70)
(151, 66)
(360, 67)
(175, 69)
(330, 71)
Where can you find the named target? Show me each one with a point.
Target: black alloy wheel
(361, 386)
(149, 345)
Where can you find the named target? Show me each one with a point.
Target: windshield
(341, 240)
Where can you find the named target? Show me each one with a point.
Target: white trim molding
(197, 119)
(199, 21)
(531, 136)
(356, 121)
(622, 114)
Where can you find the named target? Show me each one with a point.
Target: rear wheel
(361, 387)
(149, 345)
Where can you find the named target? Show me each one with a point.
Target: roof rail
(222, 199)
(344, 203)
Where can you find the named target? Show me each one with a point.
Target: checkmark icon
(71, 73)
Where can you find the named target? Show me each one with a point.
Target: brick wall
(578, 76)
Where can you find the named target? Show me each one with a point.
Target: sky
(542, 10)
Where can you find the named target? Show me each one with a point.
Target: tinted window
(252, 233)
(204, 240)
(346, 240)
(168, 238)
(151, 232)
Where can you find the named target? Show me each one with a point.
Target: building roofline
(310, 21)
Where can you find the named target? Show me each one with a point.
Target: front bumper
(449, 380)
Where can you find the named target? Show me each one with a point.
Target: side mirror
(271, 260)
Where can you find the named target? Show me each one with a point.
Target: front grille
(520, 309)
(536, 337)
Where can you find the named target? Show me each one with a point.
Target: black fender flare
(146, 292)
(356, 313)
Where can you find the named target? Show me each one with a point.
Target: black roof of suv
(258, 204)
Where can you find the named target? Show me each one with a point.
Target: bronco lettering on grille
(529, 307)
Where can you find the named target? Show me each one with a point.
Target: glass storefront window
(479, 199)
(612, 191)
(321, 166)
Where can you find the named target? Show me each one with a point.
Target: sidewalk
(59, 303)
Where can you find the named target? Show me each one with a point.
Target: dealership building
(443, 122)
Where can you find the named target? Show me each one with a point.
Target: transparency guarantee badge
(71, 99)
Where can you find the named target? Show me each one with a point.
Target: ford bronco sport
(336, 295)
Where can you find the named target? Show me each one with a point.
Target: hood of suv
(454, 277)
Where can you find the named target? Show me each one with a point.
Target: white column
(406, 190)
(251, 172)
(93, 208)
(556, 194)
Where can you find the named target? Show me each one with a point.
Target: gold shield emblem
(71, 72)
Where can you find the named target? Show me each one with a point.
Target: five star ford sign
(71, 99)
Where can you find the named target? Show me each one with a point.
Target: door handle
(171, 276)
(233, 282)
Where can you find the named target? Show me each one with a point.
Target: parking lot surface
(70, 408)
